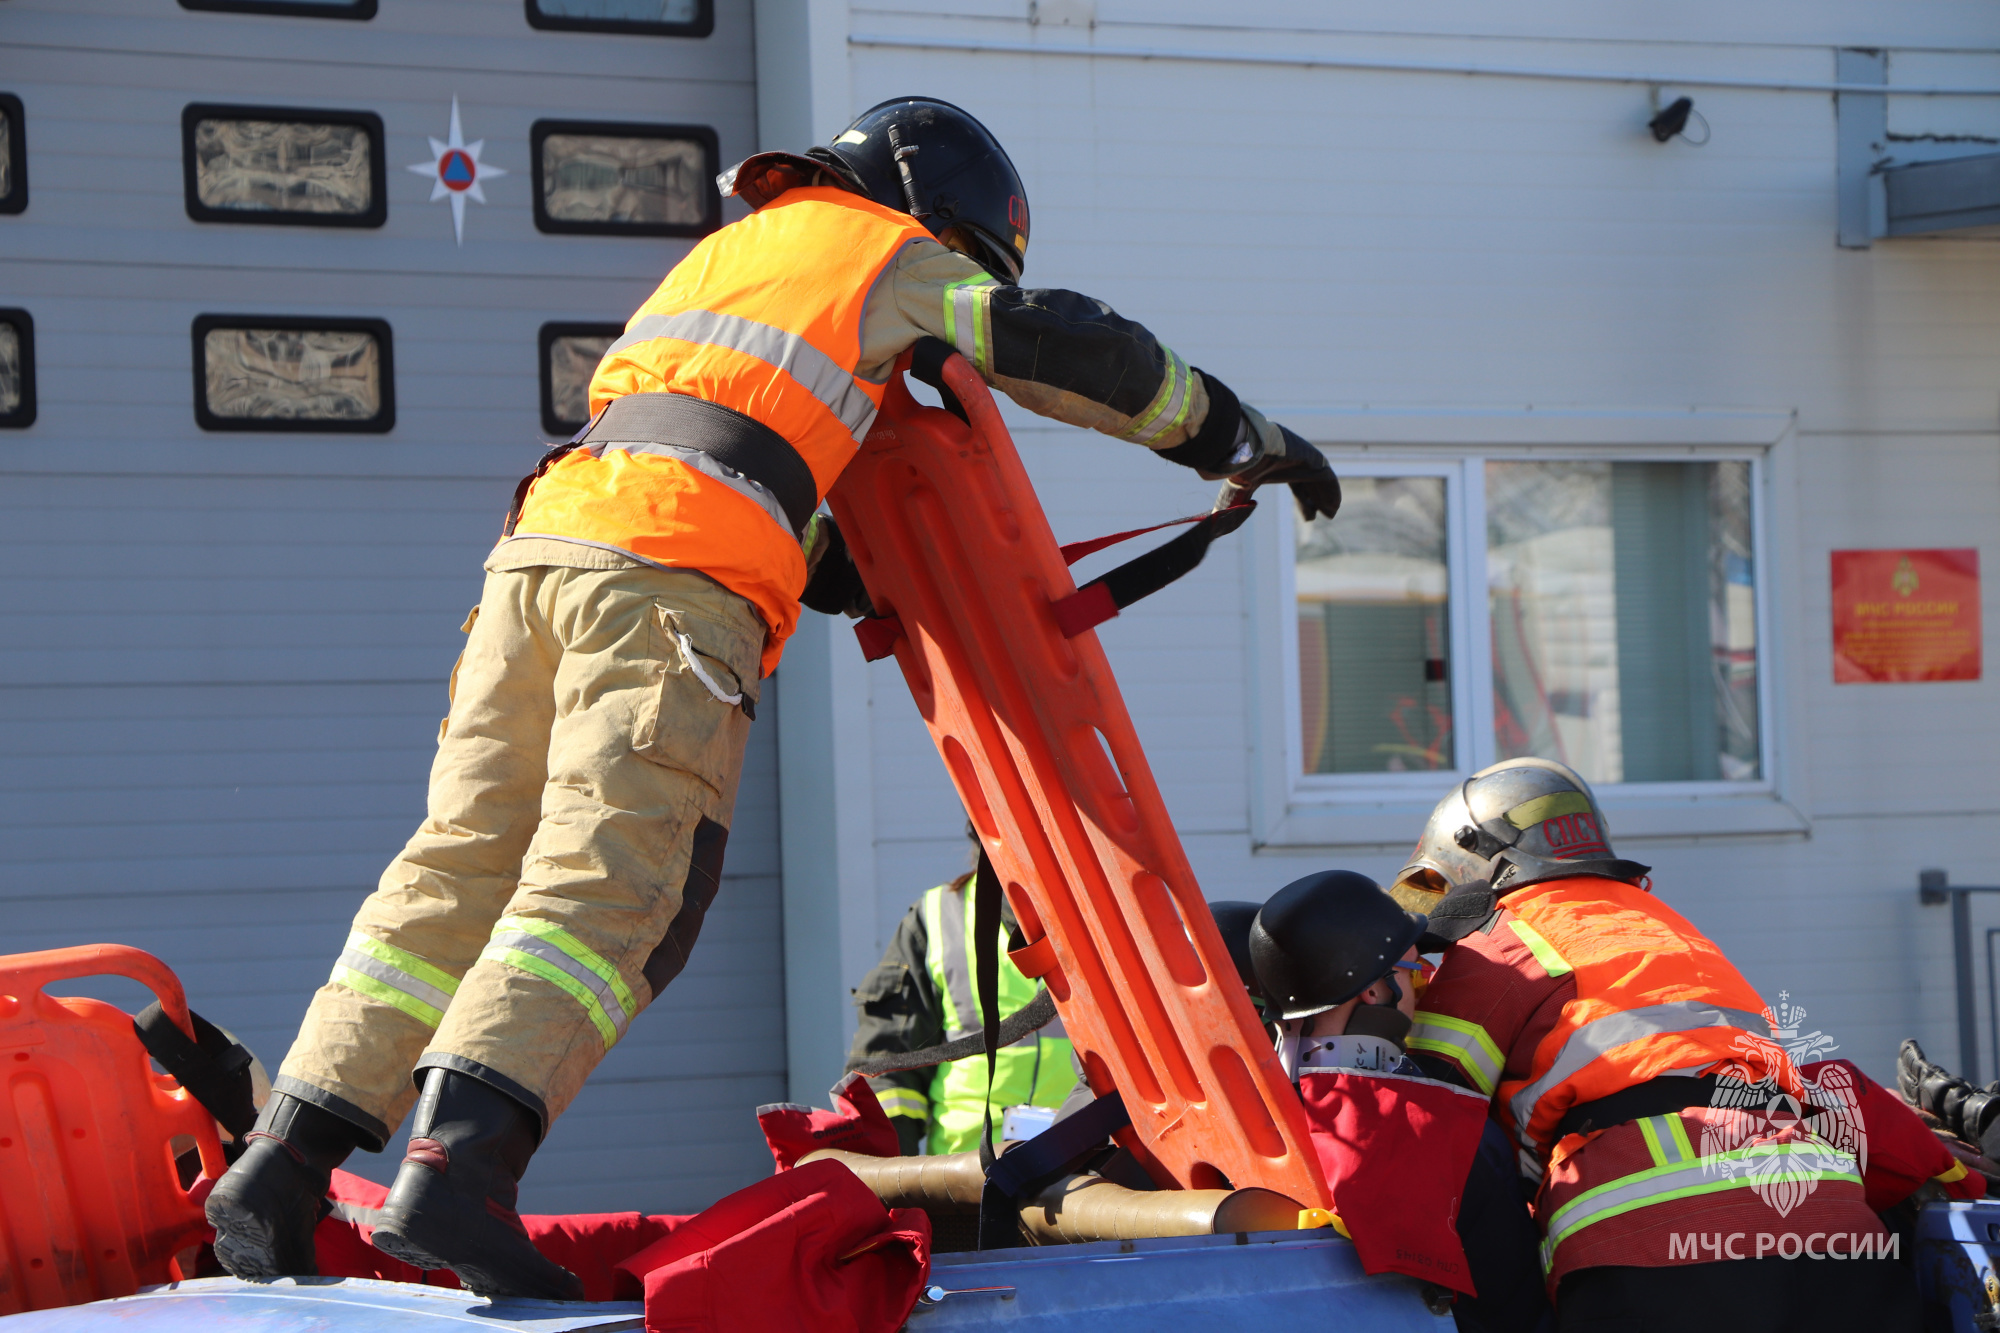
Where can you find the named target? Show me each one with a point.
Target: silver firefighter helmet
(1520, 821)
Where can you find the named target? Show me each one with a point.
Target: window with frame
(653, 18)
(286, 373)
(13, 155)
(311, 9)
(17, 369)
(620, 178)
(1601, 612)
(283, 165)
(570, 353)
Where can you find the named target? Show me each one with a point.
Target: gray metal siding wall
(222, 657)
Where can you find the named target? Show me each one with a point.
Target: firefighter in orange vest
(1679, 1179)
(649, 577)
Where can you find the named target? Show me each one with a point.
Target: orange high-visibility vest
(1653, 996)
(763, 317)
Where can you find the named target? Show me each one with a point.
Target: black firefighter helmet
(920, 156)
(1322, 940)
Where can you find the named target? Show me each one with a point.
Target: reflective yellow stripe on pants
(584, 772)
(394, 976)
(546, 950)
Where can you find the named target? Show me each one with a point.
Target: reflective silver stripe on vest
(958, 977)
(697, 461)
(957, 967)
(1607, 1034)
(815, 371)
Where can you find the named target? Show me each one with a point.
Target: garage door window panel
(569, 357)
(611, 178)
(17, 369)
(304, 9)
(283, 166)
(651, 18)
(13, 155)
(269, 373)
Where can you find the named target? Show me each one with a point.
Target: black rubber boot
(265, 1207)
(1972, 1113)
(452, 1205)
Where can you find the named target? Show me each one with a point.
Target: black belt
(742, 444)
(1656, 1096)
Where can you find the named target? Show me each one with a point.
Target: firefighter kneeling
(1631, 1066)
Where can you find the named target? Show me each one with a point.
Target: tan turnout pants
(579, 804)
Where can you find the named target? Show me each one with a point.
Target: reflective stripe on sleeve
(968, 319)
(1545, 953)
(1666, 1139)
(1597, 1038)
(544, 949)
(1170, 405)
(1699, 1175)
(1464, 1042)
(813, 370)
(396, 977)
(903, 1101)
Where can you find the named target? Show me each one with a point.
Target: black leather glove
(833, 584)
(1300, 465)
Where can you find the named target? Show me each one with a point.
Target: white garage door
(226, 640)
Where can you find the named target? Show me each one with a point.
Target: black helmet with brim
(917, 155)
(951, 172)
(1322, 940)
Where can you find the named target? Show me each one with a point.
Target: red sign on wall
(1905, 615)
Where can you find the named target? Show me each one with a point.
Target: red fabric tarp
(810, 1250)
(1396, 1151)
(857, 1124)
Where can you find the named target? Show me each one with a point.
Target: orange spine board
(91, 1205)
(952, 541)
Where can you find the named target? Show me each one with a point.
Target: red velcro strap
(1076, 551)
(1086, 608)
(1034, 960)
(878, 635)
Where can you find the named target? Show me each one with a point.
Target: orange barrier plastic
(964, 571)
(90, 1202)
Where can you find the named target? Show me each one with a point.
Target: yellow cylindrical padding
(1089, 1207)
(948, 1182)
